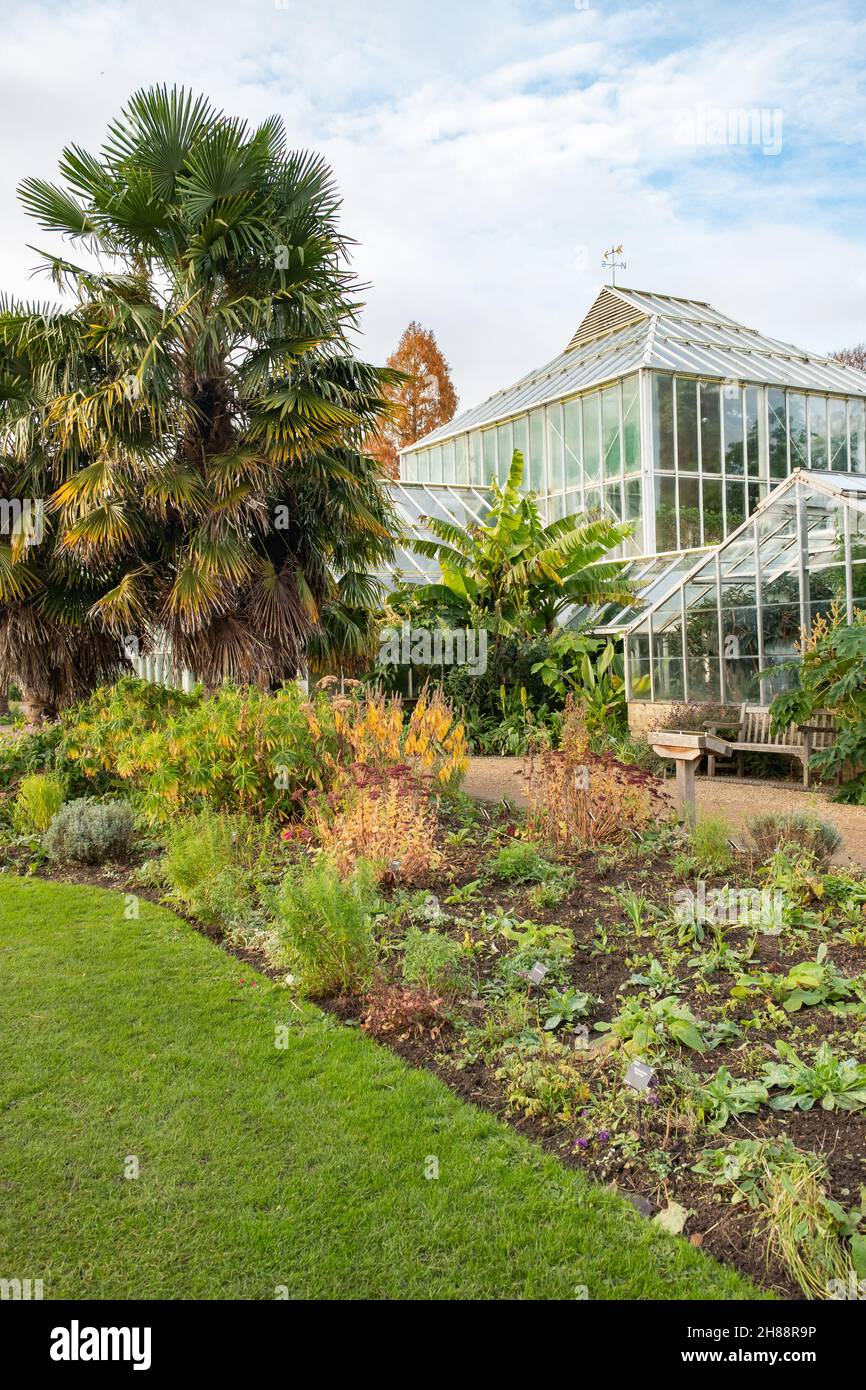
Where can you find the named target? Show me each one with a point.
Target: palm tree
(195, 415)
(516, 575)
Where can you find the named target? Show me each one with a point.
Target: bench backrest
(755, 728)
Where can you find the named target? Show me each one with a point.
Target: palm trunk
(37, 709)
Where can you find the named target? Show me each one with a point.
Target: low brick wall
(646, 714)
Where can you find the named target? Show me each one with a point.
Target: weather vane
(610, 262)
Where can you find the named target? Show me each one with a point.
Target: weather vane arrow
(610, 262)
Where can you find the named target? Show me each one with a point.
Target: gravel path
(737, 799)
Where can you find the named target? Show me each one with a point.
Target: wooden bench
(751, 733)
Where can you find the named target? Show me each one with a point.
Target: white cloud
(487, 152)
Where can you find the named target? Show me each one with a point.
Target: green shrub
(87, 831)
(435, 961)
(324, 929)
(710, 848)
(520, 863)
(797, 829)
(39, 798)
(211, 865)
(23, 753)
(829, 668)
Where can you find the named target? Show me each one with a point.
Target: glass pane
(740, 641)
(713, 517)
(488, 441)
(778, 433)
(613, 501)
(817, 432)
(436, 463)
(735, 506)
(536, 451)
(756, 494)
(702, 636)
(668, 672)
(591, 437)
(663, 422)
(519, 441)
(690, 511)
(637, 656)
(857, 427)
(476, 462)
(593, 500)
(711, 429)
(633, 508)
(610, 435)
(554, 448)
(504, 450)
(449, 462)
(571, 443)
(666, 513)
(687, 425)
(733, 407)
(754, 433)
(462, 463)
(420, 467)
(797, 430)
(838, 436)
(631, 424)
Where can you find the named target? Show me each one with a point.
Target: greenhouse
(660, 411)
(740, 461)
(718, 633)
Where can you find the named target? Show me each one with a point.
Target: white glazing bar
(721, 626)
(759, 611)
(849, 573)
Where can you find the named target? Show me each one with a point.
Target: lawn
(138, 1043)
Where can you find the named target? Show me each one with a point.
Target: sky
(488, 151)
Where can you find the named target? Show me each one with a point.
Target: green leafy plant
(324, 927)
(543, 1081)
(87, 831)
(39, 798)
(710, 849)
(528, 936)
(832, 1082)
(806, 984)
(830, 677)
(211, 866)
(520, 862)
(718, 1097)
(814, 1237)
(513, 573)
(566, 1006)
(643, 1026)
(435, 961)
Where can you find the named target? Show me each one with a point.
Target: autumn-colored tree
(422, 402)
(853, 357)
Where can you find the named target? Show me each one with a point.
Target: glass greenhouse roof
(738, 611)
(629, 329)
(462, 506)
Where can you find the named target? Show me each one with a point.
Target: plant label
(537, 973)
(639, 1076)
